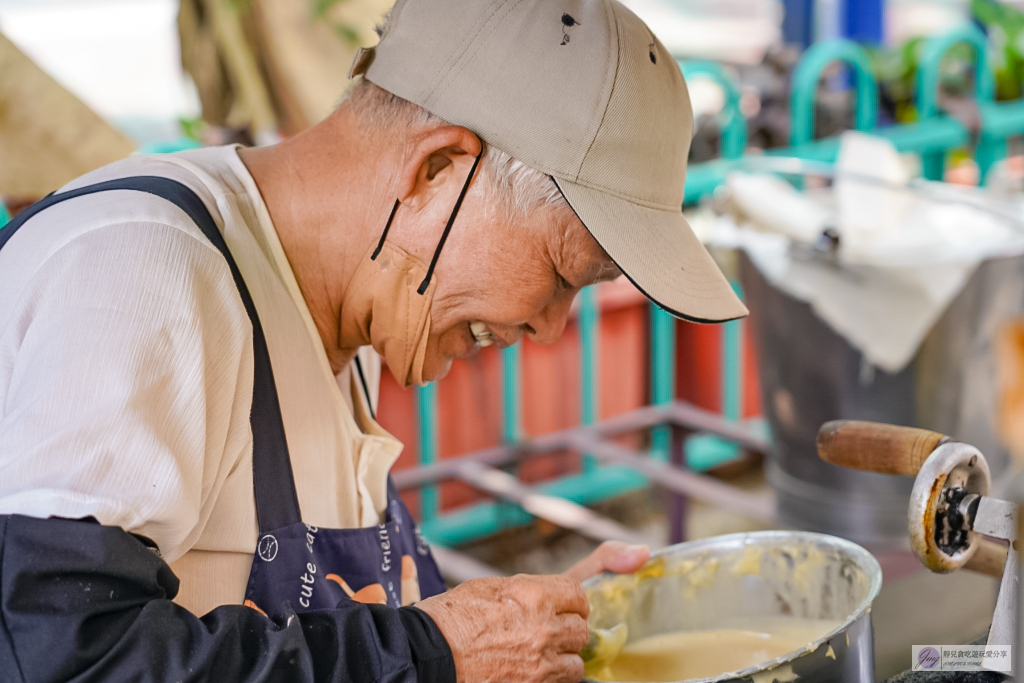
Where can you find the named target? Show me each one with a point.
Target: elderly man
(187, 384)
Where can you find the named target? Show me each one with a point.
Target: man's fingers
(568, 633)
(615, 556)
(565, 594)
(569, 669)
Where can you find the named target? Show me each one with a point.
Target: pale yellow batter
(699, 654)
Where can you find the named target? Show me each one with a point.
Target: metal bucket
(711, 583)
(810, 374)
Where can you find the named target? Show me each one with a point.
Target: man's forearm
(84, 602)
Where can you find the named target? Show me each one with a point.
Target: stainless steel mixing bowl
(712, 583)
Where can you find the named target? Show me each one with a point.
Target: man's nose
(547, 326)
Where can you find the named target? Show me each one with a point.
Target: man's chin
(434, 373)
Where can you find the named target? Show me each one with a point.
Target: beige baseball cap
(581, 90)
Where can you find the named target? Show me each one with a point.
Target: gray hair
(518, 188)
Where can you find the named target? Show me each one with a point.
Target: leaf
(192, 128)
(346, 33)
(322, 7)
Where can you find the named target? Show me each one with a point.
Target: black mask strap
(384, 235)
(444, 236)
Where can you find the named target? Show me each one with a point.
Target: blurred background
(883, 268)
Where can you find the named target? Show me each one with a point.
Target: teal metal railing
(928, 77)
(426, 415)
(731, 123)
(805, 87)
(512, 394)
(932, 136)
(590, 380)
(663, 374)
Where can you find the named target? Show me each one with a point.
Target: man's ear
(439, 157)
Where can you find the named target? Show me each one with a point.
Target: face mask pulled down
(402, 289)
(399, 323)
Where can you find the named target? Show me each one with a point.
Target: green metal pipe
(426, 412)
(512, 394)
(732, 364)
(934, 135)
(1002, 119)
(929, 73)
(589, 317)
(731, 123)
(805, 86)
(663, 374)
(928, 80)
(479, 520)
(999, 120)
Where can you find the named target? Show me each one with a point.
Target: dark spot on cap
(654, 60)
(568, 21)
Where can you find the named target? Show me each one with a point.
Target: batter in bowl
(700, 654)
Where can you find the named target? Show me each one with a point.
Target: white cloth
(885, 313)
(905, 251)
(126, 375)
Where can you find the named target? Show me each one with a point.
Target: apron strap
(277, 504)
(366, 387)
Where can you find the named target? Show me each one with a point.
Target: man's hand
(522, 629)
(525, 629)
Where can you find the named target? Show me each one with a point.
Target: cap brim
(658, 252)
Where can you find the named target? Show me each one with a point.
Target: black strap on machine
(277, 504)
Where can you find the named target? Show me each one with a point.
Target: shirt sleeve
(87, 603)
(130, 385)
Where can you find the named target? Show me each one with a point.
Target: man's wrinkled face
(509, 277)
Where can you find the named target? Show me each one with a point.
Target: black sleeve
(84, 602)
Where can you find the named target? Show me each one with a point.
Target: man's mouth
(483, 336)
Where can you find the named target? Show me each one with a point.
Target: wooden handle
(876, 447)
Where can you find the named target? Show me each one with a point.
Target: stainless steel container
(810, 374)
(714, 582)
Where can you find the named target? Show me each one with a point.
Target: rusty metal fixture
(940, 516)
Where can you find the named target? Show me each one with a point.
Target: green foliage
(1005, 26)
(345, 32)
(896, 72)
(192, 128)
(321, 7)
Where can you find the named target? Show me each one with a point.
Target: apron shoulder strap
(365, 386)
(277, 504)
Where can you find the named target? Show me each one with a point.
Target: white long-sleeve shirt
(126, 375)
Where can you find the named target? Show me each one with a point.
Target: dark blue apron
(310, 567)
